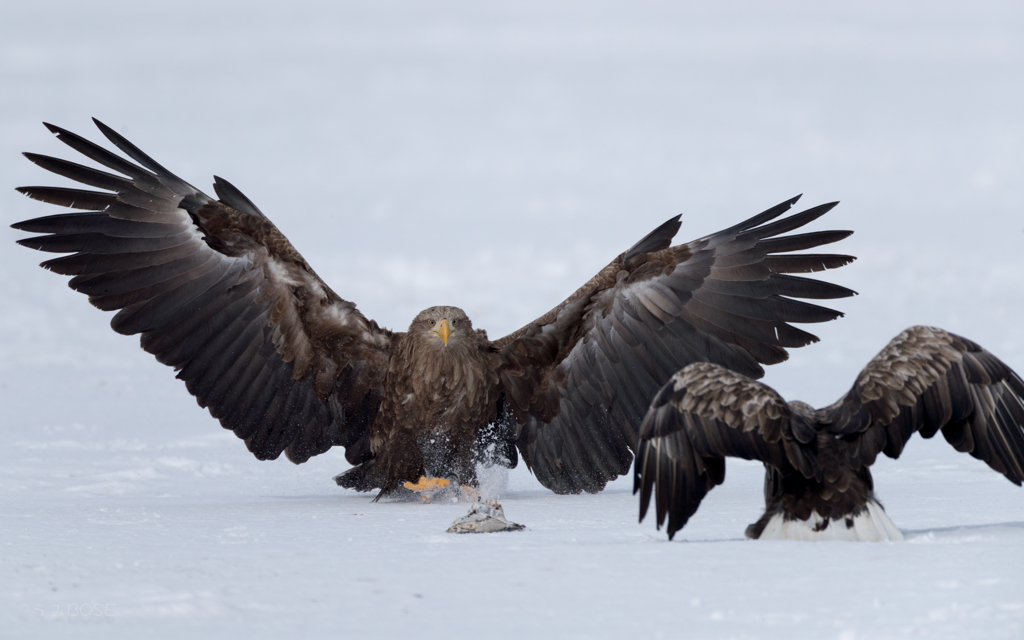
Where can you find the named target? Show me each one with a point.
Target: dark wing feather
(218, 293)
(702, 415)
(580, 378)
(929, 380)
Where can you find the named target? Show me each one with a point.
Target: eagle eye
(431, 323)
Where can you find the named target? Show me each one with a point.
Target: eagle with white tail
(818, 483)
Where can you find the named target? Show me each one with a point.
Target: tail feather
(869, 524)
(363, 477)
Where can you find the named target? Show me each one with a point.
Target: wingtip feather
(102, 127)
(20, 226)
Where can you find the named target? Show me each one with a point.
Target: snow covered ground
(494, 156)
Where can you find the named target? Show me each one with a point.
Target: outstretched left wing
(580, 378)
(704, 414)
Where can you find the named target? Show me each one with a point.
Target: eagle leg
(427, 487)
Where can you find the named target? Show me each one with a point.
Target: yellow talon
(428, 484)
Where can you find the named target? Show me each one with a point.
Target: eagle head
(448, 326)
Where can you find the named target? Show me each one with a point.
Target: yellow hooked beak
(443, 329)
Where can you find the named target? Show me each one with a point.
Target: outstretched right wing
(218, 293)
(702, 415)
(928, 380)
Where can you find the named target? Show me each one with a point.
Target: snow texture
(495, 156)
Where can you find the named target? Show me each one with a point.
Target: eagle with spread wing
(817, 483)
(218, 293)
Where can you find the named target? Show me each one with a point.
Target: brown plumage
(218, 293)
(926, 380)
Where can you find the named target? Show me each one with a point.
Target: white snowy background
(494, 156)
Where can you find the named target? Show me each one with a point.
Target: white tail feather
(872, 525)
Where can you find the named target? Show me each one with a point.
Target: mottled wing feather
(580, 378)
(702, 415)
(928, 380)
(218, 293)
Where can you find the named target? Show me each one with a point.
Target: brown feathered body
(216, 291)
(818, 483)
(842, 493)
(440, 396)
